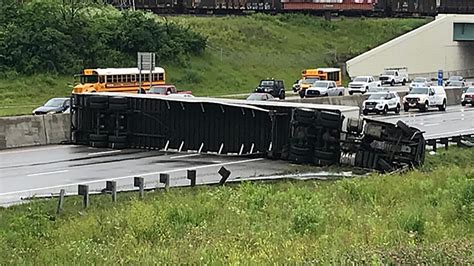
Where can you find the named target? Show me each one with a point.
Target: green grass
(420, 217)
(253, 47)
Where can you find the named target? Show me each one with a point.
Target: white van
(423, 98)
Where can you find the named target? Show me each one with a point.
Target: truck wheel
(282, 95)
(365, 112)
(301, 93)
(340, 93)
(425, 107)
(406, 108)
(351, 92)
(463, 104)
(404, 82)
(392, 83)
(385, 110)
(397, 110)
(443, 106)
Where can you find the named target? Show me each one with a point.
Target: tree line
(65, 36)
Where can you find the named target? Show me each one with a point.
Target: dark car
(53, 106)
(271, 86)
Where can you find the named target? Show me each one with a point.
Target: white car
(324, 88)
(363, 84)
(420, 82)
(423, 98)
(382, 102)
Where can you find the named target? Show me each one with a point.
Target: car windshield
(267, 83)
(89, 79)
(256, 97)
(54, 103)
(378, 96)
(458, 78)
(455, 83)
(157, 90)
(470, 90)
(419, 80)
(360, 79)
(310, 80)
(320, 84)
(419, 91)
(389, 72)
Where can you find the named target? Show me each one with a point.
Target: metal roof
(124, 71)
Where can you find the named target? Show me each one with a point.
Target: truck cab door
(432, 97)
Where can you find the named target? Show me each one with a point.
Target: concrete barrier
(22, 131)
(453, 96)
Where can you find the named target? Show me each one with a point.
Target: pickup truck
(324, 88)
(166, 90)
(271, 86)
(363, 84)
(395, 75)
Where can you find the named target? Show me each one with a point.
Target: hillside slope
(241, 51)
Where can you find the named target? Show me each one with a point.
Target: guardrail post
(224, 174)
(83, 190)
(61, 200)
(140, 183)
(445, 141)
(433, 144)
(192, 177)
(112, 187)
(165, 179)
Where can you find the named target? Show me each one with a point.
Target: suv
(423, 98)
(467, 97)
(382, 102)
(394, 75)
(274, 87)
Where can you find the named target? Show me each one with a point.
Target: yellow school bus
(117, 80)
(309, 76)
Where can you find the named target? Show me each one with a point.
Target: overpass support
(445, 43)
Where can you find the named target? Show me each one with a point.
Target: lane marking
(430, 125)
(36, 149)
(185, 156)
(103, 152)
(49, 173)
(130, 176)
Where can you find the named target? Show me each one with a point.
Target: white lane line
(130, 176)
(49, 173)
(431, 125)
(103, 152)
(34, 149)
(185, 156)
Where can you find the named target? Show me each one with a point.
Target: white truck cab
(382, 102)
(324, 88)
(423, 98)
(394, 75)
(363, 84)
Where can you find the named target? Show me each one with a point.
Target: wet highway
(457, 120)
(44, 170)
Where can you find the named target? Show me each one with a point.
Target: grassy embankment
(420, 217)
(253, 47)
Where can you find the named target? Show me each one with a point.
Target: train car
(457, 6)
(321, 6)
(407, 8)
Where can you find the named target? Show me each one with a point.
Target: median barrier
(29, 130)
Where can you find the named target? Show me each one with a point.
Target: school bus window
(160, 76)
(133, 79)
(101, 79)
(109, 79)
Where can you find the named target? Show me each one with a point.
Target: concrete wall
(21, 131)
(423, 51)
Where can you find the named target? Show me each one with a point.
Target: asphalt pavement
(44, 170)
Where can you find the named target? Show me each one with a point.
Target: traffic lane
(456, 120)
(46, 179)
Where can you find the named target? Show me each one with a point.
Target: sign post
(440, 77)
(146, 61)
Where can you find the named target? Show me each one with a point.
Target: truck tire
(351, 92)
(326, 155)
(118, 139)
(392, 83)
(385, 110)
(443, 106)
(282, 95)
(98, 144)
(404, 82)
(301, 93)
(397, 110)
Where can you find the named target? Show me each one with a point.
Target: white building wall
(423, 51)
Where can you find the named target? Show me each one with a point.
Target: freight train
(388, 8)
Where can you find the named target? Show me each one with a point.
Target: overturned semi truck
(297, 132)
